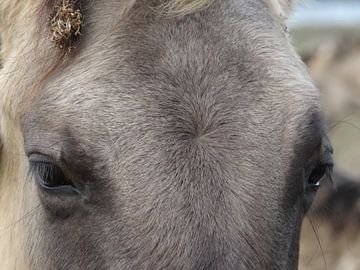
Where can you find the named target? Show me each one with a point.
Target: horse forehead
(228, 53)
(231, 57)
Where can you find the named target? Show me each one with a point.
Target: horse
(157, 134)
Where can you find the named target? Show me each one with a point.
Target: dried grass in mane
(66, 23)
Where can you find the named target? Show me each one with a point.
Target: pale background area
(327, 35)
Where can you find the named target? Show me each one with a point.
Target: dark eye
(316, 176)
(49, 176)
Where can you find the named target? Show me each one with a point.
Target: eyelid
(328, 159)
(45, 159)
(36, 157)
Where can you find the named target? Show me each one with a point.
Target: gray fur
(188, 135)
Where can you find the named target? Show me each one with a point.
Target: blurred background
(326, 34)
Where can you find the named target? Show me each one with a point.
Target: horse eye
(49, 176)
(316, 176)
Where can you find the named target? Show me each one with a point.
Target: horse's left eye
(315, 177)
(49, 176)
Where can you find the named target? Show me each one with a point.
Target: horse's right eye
(316, 176)
(49, 176)
(319, 172)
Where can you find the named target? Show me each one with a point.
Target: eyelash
(45, 170)
(51, 178)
